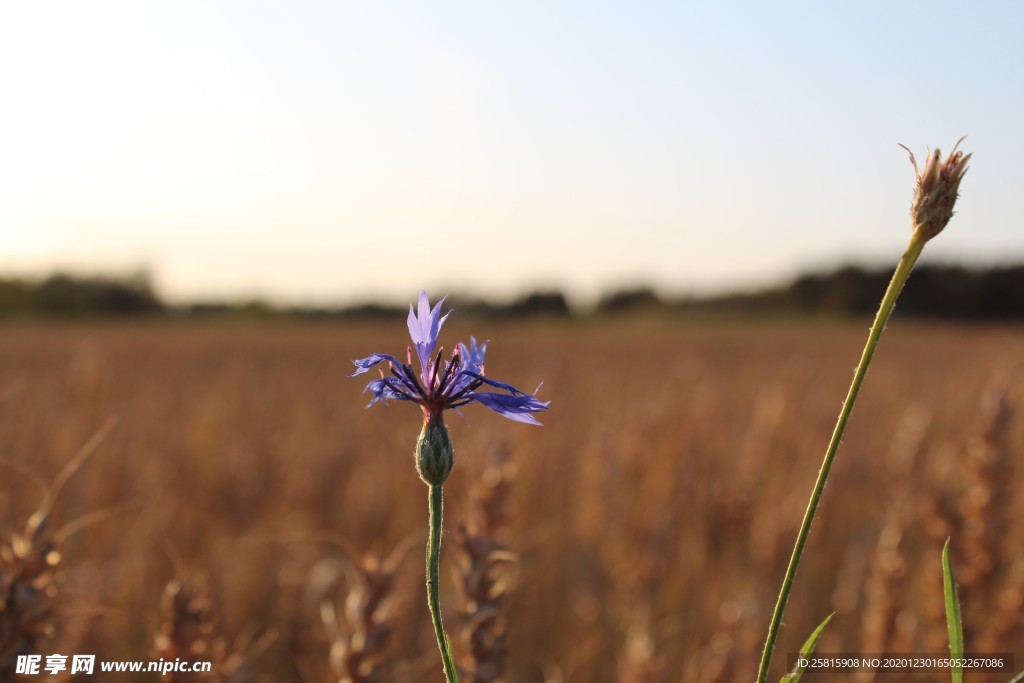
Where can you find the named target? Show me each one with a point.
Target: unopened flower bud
(435, 456)
(936, 191)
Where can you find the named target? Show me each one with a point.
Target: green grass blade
(451, 657)
(806, 651)
(956, 628)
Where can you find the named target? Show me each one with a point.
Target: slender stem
(906, 264)
(433, 570)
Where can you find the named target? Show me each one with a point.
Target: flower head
(936, 192)
(443, 384)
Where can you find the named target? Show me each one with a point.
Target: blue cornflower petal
(499, 385)
(473, 357)
(471, 365)
(424, 328)
(383, 390)
(516, 408)
(364, 364)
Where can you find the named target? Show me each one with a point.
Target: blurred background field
(207, 210)
(650, 518)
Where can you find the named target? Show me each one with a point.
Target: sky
(329, 152)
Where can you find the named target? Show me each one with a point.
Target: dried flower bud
(936, 192)
(435, 456)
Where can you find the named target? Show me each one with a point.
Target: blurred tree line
(933, 291)
(77, 296)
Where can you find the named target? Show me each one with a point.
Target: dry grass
(652, 516)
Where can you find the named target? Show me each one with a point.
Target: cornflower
(441, 385)
(438, 388)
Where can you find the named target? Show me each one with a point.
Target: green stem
(433, 570)
(899, 278)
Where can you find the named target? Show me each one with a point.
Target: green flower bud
(435, 456)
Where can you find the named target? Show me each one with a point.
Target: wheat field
(245, 508)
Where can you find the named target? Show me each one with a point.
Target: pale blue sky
(332, 151)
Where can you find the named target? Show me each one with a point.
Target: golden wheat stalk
(359, 640)
(483, 578)
(28, 569)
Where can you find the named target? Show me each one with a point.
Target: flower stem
(899, 278)
(433, 570)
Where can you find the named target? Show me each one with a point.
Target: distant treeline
(933, 291)
(73, 295)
